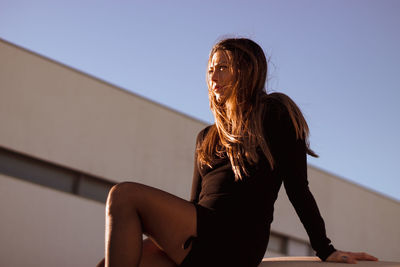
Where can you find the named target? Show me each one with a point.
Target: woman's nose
(214, 76)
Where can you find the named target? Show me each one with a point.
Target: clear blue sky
(338, 59)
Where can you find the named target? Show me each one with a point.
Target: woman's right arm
(196, 183)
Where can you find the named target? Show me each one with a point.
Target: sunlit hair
(238, 128)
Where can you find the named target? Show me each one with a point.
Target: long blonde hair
(241, 133)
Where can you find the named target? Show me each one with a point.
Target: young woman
(258, 142)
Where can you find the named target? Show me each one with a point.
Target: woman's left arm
(291, 160)
(293, 169)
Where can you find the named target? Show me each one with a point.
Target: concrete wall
(356, 218)
(44, 227)
(54, 113)
(60, 115)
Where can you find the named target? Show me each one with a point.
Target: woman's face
(220, 75)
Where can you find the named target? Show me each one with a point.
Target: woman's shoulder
(203, 133)
(281, 114)
(206, 129)
(275, 104)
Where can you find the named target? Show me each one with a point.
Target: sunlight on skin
(350, 257)
(220, 75)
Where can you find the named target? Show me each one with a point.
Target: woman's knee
(123, 198)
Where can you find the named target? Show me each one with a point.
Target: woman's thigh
(152, 256)
(167, 219)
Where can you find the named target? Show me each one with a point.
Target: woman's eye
(219, 68)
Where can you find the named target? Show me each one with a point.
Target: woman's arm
(294, 174)
(196, 182)
(291, 163)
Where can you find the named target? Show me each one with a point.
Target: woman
(258, 142)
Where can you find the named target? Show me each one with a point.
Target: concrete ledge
(316, 262)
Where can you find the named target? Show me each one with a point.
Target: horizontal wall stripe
(50, 175)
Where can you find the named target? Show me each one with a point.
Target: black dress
(234, 217)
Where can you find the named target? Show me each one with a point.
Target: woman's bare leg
(133, 209)
(152, 256)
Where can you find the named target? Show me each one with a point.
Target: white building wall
(57, 114)
(355, 218)
(51, 112)
(44, 227)
(358, 218)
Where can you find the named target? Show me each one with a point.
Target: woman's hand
(350, 257)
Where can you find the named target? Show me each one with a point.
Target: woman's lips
(217, 88)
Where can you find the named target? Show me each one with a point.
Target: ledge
(316, 262)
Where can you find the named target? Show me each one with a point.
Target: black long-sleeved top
(247, 205)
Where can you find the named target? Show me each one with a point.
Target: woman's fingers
(350, 257)
(341, 256)
(364, 256)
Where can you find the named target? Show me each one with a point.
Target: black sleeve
(291, 163)
(196, 183)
